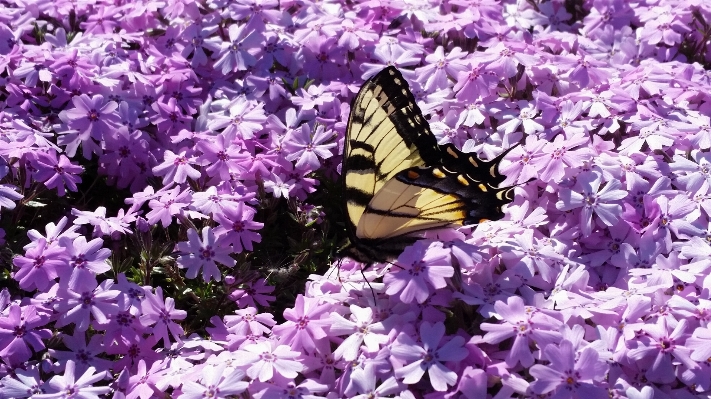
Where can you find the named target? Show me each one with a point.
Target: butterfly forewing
(385, 132)
(399, 182)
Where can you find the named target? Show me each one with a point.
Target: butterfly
(399, 182)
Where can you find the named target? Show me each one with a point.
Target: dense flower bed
(141, 138)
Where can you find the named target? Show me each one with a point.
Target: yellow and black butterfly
(398, 182)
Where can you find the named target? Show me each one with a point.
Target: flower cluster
(143, 138)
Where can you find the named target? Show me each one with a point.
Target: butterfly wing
(399, 182)
(386, 134)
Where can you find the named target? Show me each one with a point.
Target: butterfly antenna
(372, 291)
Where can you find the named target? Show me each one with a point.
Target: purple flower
(57, 173)
(247, 322)
(237, 54)
(559, 156)
(255, 291)
(587, 196)
(69, 386)
(19, 330)
(363, 329)
(169, 204)
(236, 227)
(569, 374)
(524, 118)
(526, 326)
(160, 315)
(301, 144)
(202, 254)
(423, 266)
(104, 225)
(84, 354)
(39, 266)
(365, 381)
(84, 302)
(24, 384)
(304, 326)
(86, 260)
(199, 38)
(8, 196)
(434, 75)
(266, 358)
(429, 356)
(169, 118)
(216, 383)
(91, 115)
(176, 168)
(663, 346)
(244, 119)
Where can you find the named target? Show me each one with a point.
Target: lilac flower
(304, 325)
(91, 115)
(169, 118)
(84, 301)
(663, 346)
(68, 386)
(561, 155)
(587, 196)
(57, 173)
(266, 358)
(202, 254)
(72, 68)
(526, 326)
(19, 331)
(39, 266)
(216, 383)
(255, 291)
(434, 74)
(365, 381)
(236, 227)
(244, 120)
(86, 260)
(176, 168)
(160, 315)
(524, 118)
(103, 225)
(199, 38)
(8, 196)
(428, 356)
(237, 54)
(84, 354)
(247, 322)
(53, 233)
(363, 329)
(672, 219)
(280, 187)
(169, 204)
(423, 266)
(24, 384)
(307, 148)
(569, 375)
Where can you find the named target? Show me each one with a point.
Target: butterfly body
(399, 182)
